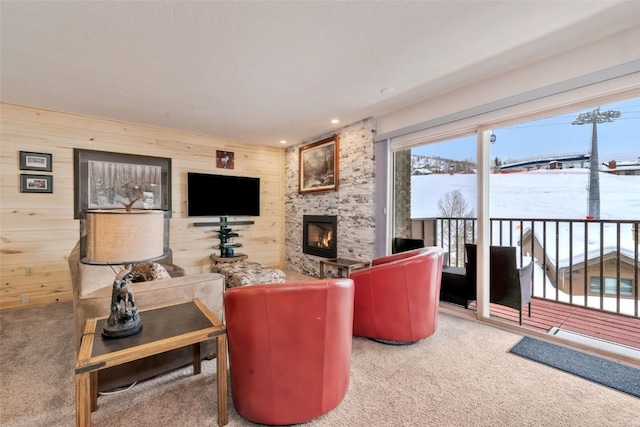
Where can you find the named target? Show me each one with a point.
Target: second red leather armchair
(397, 298)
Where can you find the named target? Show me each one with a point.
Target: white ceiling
(261, 71)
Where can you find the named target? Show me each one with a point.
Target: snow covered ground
(554, 194)
(540, 194)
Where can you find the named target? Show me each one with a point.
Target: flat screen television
(222, 195)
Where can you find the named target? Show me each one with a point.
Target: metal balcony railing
(589, 263)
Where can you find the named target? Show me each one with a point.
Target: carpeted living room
(462, 375)
(199, 201)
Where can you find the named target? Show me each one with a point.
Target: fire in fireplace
(320, 235)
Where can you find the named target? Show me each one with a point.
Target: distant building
(622, 167)
(426, 165)
(566, 269)
(421, 171)
(555, 165)
(557, 161)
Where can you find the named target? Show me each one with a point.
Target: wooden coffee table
(343, 265)
(164, 328)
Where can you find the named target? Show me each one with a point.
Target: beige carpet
(461, 376)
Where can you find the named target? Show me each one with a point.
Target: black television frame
(210, 209)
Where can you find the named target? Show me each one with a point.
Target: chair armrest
(403, 255)
(526, 282)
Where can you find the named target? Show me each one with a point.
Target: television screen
(221, 195)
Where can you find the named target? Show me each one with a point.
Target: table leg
(197, 362)
(221, 379)
(321, 270)
(83, 400)
(93, 390)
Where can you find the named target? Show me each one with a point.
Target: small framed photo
(36, 183)
(224, 159)
(35, 161)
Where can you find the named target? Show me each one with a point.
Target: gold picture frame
(318, 166)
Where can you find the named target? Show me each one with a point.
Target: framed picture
(318, 166)
(224, 159)
(35, 161)
(36, 183)
(106, 180)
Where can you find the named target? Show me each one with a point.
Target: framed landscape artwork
(318, 166)
(106, 180)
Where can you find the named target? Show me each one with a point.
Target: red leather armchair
(289, 348)
(397, 298)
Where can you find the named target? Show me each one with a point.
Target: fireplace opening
(320, 235)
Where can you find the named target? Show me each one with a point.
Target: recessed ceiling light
(335, 121)
(282, 141)
(388, 90)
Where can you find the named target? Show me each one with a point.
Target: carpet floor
(463, 375)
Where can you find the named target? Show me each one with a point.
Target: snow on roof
(573, 249)
(422, 171)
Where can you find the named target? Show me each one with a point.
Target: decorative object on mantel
(105, 180)
(36, 183)
(117, 237)
(318, 166)
(30, 161)
(224, 159)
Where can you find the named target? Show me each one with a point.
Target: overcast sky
(617, 140)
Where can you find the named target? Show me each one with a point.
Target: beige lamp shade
(121, 237)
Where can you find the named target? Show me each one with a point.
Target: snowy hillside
(537, 194)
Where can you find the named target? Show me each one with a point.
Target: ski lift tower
(594, 117)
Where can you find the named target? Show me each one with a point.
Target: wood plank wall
(38, 230)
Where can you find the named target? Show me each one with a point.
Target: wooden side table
(164, 328)
(343, 265)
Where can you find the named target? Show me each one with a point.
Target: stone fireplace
(320, 235)
(353, 204)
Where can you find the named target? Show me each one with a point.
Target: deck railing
(572, 257)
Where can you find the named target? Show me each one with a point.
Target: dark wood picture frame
(30, 161)
(36, 183)
(106, 180)
(224, 159)
(318, 166)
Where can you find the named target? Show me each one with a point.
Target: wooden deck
(546, 314)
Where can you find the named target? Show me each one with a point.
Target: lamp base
(124, 319)
(121, 330)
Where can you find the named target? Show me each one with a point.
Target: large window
(561, 190)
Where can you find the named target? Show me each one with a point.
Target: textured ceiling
(260, 72)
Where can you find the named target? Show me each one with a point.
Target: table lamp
(123, 237)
